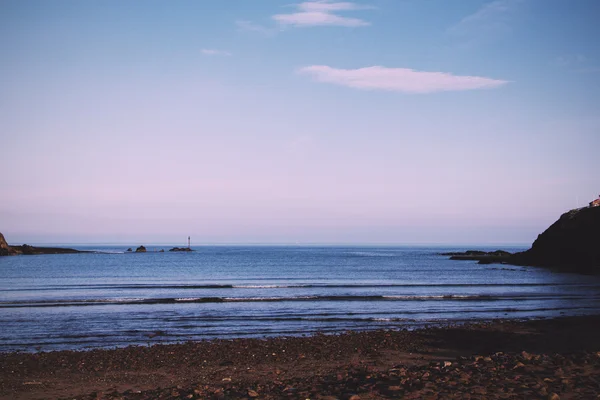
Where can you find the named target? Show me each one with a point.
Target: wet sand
(547, 359)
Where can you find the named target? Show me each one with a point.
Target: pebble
(305, 370)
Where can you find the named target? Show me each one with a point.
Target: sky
(333, 122)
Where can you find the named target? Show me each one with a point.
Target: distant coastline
(25, 249)
(568, 245)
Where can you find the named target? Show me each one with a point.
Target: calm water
(81, 301)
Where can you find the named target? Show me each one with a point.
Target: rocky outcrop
(5, 249)
(571, 244)
(484, 257)
(140, 249)
(34, 250)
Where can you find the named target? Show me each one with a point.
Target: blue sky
(382, 121)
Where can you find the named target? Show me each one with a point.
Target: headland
(571, 244)
(12, 250)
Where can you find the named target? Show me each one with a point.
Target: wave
(361, 298)
(371, 254)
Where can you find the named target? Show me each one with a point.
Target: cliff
(571, 244)
(5, 249)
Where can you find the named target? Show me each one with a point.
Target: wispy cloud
(213, 52)
(398, 79)
(491, 21)
(570, 60)
(575, 63)
(490, 11)
(321, 13)
(254, 27)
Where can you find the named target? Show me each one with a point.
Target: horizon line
(290, 244)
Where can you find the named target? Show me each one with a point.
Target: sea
(113, 298)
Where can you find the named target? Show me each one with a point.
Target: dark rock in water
(140, 249)
(130, 249)
(477, 253)
(498, 256)
(5, 249)
(181, 249)
(162, 251)
(571, 244)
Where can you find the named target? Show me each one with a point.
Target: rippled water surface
(79, 301)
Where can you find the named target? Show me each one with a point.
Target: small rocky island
(181, 249)
(184, 249)
(571, 244)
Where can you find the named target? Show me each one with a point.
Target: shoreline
(411, 327)
(526, 357)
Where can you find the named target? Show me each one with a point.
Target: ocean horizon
(86, 244)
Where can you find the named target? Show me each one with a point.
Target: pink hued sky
(236, 125)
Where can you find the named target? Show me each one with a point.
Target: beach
(551, 358)
(293, 322)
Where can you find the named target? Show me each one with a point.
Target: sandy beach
(554, 358)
